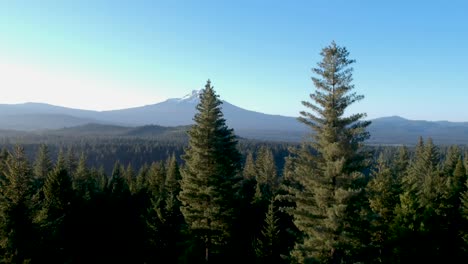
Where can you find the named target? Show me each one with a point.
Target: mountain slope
(180, 111)
(177, 112)
(29, 122)
(398, 130)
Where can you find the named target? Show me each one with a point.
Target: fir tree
(71, 162)
(101, 179)
(400, 166)
(83, 182)
(329, 168)
(129, 176)
(383, 192)
(210, 177)
(117, 186)
(451, 160)
(16, 228)
(156, 180)
(54, 217)
(249, 174)
(266, 177)
(457, 181)
(43, 164)
(141, 179)
(464, 212)
(420, 223)
(172, 187)
(165, 220)
(41, 169)
(267, 245)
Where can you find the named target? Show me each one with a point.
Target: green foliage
(464, 213)
(328, 169)
(210, 176)
(267, 245)
(451, 159)
(84, 184)
(118, 186)
(16, 189)
(43, 165)
(266, 177)
(54, 216)
(383, 192)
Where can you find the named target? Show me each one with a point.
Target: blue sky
(411, 55)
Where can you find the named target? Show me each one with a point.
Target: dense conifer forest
(218, 198)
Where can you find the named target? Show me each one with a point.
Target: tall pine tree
(210, 176)
(329, 167)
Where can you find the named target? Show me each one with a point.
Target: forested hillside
(156, 195)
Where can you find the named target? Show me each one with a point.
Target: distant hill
(180, 111)
(100, 130)
(172, 115)
(398, 130)
(40, 121)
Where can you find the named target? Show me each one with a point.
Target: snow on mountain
(191, 98)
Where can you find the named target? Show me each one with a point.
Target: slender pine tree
(329, 168)
(267, 244)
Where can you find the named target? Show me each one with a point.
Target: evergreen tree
(156, 180)
(267, 245)
(248, 184)
(70, 162)
(400, 166)
(266, 177)
(329, 167)
(141, 179)
(16, 228)
(41, 169)
(210, 177)
(451, 160)
(129, 176)
(454, 204)
(383, 192)
(83, 182)
(421, 224)
(464, 212)
(165, 221)
(121, 231)
(54, 217)
(43, 164)
(172, 188)
(117, 187)
(101, 179)
(457, 181)
(249, 171)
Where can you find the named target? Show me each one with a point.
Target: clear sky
(412, 56)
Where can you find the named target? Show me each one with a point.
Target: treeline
(102, 153)
(330, 200)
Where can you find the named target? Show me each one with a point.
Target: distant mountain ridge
(250, 124)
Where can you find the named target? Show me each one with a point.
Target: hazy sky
(412, 56)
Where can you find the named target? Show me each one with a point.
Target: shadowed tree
(54, 217)
(267, 245)
(16, 227)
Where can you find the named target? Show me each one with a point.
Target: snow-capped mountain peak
(193, 97)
